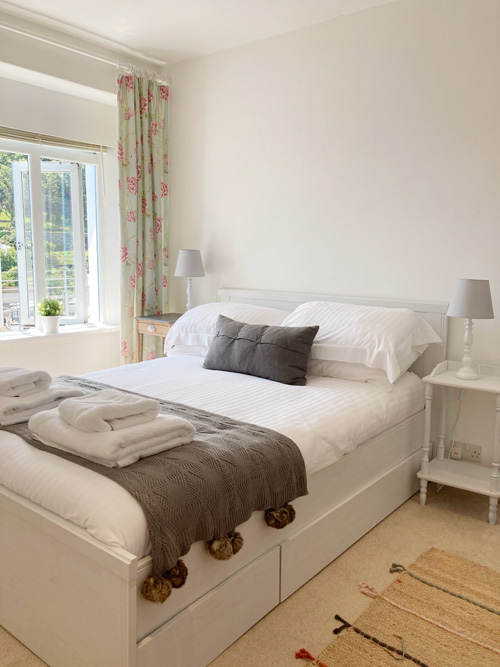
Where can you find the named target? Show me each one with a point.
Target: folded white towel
(14, 410)
(108, 410)
(112, 448)
(16, 381)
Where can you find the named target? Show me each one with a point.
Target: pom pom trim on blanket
(280, 517)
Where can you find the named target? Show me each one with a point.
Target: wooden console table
(153, 325)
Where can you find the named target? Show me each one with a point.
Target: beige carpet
(453, 520)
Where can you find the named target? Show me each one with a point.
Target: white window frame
(35, 152)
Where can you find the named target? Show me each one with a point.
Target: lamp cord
(460, 397)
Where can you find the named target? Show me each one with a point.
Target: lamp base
(188, 304)
(469, 370)
(467, 373)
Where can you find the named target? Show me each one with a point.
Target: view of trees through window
(8, 252)
(62, 248)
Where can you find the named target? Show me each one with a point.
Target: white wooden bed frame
(74, 601)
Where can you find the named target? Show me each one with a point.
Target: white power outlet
(472, 453)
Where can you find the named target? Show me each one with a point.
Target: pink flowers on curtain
(143, 184)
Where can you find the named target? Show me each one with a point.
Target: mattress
(327, 418)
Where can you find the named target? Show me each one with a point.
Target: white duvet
(326, 419)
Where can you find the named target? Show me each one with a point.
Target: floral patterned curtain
(143, 184)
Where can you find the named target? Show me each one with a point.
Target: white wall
(360, 156)
(36, 109)
(65, 353)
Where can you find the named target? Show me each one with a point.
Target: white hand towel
(16, 381)
(14, 410)
(108, 410)
(112, 448)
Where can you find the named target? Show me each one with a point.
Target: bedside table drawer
(153, 328)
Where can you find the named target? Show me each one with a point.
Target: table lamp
(189, 265)
(471, 299)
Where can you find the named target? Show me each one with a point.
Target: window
(48, 232)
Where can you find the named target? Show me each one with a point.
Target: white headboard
(433, 313)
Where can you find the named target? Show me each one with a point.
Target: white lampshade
(189, 264)
(471, 299)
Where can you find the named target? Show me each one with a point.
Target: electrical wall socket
(471, 453)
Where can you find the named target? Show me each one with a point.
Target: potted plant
(50, 310)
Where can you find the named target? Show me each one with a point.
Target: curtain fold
(143, 187)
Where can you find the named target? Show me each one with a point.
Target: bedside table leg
(492, 516)
(427, 443)
(495, 464)
(442, 424)
(423, 491)
(427, 430)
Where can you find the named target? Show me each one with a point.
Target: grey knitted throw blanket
(204, 489)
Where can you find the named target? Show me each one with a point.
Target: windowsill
(64, 330)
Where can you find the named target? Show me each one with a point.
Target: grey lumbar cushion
(274, 353)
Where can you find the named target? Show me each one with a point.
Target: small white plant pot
(50, 324)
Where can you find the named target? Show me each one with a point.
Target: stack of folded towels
(24, 393)
(111, 428)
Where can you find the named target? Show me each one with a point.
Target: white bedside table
(460, 474)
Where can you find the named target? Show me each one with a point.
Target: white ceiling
(175, 30)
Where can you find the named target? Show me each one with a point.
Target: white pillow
(390, 339)
(178, 350)
(348, 371)
(197, 326)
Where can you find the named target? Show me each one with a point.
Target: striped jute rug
(438, 629)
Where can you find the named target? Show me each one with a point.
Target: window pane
(16, 265)
(26, 280)
(58, 194)
(89, 177)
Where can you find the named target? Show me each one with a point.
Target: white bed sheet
(326, 419)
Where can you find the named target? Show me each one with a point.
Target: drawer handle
(151, 328)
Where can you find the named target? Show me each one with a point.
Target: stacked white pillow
(195, 330)
(348, 371)
(354, 338)
(360, 343)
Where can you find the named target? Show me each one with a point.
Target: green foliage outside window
(58, 228)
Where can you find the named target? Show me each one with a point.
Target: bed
(71, 593)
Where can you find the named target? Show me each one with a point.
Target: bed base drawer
(310, 550)
(207, 627)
